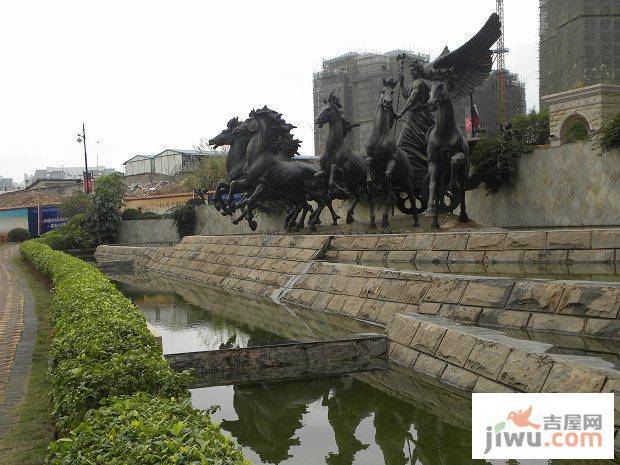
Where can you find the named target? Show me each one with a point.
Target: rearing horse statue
(343, 171)
(454, 75)
(235, 165)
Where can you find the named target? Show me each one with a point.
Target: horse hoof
(350, 220)
(463, 218)
(372, 226)
(435, 224)
(312, 228)
(385, 224)
(253, 225)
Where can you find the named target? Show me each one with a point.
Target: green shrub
(101, 345)
(18, 235)
(184, 218)
(533, 128)
(146, 430)
(135, 214)
(495, 161)
(576, 132)
(74, 204)
(106, 204)
(73, 235)
(608, 137)
(131, 214)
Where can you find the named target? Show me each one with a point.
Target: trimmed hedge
(101, 348)
(146, 430)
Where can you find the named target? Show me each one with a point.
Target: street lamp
(82, 138)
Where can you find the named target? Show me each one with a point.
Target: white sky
(149, 75)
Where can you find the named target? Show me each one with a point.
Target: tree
(533, 128)
(576, 132)
(74, 204)
(608, 136)
(105, 213)
(209, 171)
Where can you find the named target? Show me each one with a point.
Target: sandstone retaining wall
(375, 294)
(535, 246)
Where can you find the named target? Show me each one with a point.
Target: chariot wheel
(448, 202)
(409, 206)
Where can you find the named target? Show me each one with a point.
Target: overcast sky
(149, 75)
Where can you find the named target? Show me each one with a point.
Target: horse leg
(351, 209)
(312, 221)
(389, 193)
(304, 213)
(248, 209)
(371, 204)
(433, 192)
(458, 179)
(335, 216)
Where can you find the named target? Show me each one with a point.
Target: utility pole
(82, 138)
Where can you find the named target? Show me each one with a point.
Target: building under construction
(579, 44)
(357, 79)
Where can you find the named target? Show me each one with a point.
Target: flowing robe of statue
(416, 122)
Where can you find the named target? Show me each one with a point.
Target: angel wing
(471, 63)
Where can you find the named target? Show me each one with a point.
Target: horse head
(440, 87)
(268, 131)
(386, 98)
(330, 112)
(225, 137)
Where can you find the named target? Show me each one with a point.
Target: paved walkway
(18, 328)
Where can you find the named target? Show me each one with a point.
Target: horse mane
(333, 100)
(278, 138)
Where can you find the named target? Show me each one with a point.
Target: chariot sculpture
(425, 170)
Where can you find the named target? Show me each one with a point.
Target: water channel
(367, 418)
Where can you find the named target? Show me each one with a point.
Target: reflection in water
(185, 327)
(337, 421)
(288, 423)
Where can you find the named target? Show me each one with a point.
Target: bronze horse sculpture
(343, 172)
(235, 165)
(388, 165)
(270, 172)
(454, 75)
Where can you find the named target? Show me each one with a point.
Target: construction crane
(501, 69)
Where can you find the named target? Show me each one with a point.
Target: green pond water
(346, 420)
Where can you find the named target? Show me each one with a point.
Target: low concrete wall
(571, 185)
(157, 231)
(283, 362)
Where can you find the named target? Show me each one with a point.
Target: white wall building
(168, 162)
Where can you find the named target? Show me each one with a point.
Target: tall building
(579, 44)
(579, 62)
(357, 79)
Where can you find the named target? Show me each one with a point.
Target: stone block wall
(258, 264)
(478, 360)
(494, 246)
(376, 294)
(571, 185)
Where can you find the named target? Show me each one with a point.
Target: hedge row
(104, 363)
